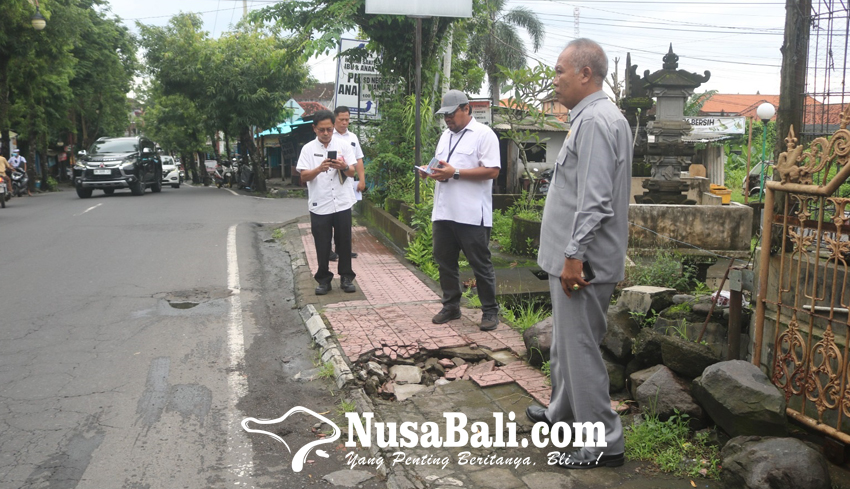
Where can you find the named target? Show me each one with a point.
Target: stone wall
(398, 232)
(716, 228)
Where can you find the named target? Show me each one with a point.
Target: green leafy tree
(523, 113)
(696, 101)
(495, 40)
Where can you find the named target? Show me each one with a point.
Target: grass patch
(684, 307)
(326, 371)
(345, 406)
(277, 234)
(665, 269)
(547, 370)
(672, 447)
(525, 315)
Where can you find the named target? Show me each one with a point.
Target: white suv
(170, 172)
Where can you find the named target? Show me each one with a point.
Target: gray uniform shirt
(587, 206)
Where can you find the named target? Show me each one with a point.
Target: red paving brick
(395, 319)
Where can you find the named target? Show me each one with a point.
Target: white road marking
(231, 191)
(89, 209)
(238, 444)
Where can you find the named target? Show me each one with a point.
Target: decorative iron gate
(801, 309)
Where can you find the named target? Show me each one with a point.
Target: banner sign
(421, 8)
(481, 111)
(710, 125)
(357, 80)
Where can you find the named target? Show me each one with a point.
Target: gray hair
(589, 53)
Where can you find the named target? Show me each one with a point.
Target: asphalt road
(137, 332)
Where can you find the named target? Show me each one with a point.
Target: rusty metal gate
(803, 298)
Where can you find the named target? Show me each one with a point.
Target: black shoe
(353, 255)
(333, 256)
(323, 289)
(537, 414)
(489, 321)
(346, 285)
(583, 459)
(445, 315)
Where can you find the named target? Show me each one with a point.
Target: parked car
(116, 163)
(170, 172)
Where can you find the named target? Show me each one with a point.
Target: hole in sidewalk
(400, 378)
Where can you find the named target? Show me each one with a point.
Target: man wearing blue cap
(462, 218)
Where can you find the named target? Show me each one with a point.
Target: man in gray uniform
(585, 220)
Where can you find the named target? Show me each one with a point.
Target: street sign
(421, 8)
(357, 80)
(481, 111)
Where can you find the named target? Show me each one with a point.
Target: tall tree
(495, 40)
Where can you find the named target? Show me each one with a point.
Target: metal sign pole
(418, 101)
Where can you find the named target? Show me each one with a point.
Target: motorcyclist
(6, 169)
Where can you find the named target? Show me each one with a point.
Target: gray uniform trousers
(579, 376)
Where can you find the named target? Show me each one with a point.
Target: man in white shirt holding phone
(326, 163)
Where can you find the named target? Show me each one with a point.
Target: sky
(737, 41)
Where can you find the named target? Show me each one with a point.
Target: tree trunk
(216, 152)
(5, 140)
(205, 177)
(247, 139)
(227, 145)
(495, 91)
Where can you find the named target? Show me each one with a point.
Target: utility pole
(792, 88)
(576, 16)
(244, 8)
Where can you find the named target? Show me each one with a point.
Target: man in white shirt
(330, 199)
(341, 132)
(19, 162)
(462, 218)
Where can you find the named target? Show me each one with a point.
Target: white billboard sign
(717, 125)
(421, 8)
(357, 80)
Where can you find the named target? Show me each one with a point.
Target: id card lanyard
(452, 148)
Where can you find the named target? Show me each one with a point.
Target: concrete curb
(331, 352)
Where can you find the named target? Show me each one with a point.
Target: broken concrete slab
(406, 374)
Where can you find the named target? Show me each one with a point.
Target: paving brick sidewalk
(395, 318)
(390, 317)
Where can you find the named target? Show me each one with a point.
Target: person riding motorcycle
(6, 169)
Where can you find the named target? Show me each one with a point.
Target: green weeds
(672, 447)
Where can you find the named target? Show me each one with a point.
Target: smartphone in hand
(331, 155)
(587, 271)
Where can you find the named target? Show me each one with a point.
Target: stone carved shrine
(659, 138)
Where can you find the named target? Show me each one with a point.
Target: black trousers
(450, 238)
(338, 226)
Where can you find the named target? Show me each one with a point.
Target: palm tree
(494, 40)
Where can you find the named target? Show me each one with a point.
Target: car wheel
(156, 187)
(138, 188)
(83, 193)
(109, 191)
(3, 201)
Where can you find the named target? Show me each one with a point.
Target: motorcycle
(246, 176)
(216, 175)
(19, 182)
(227, 175)
(4, 194)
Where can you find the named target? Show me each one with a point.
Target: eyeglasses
(325, 130)
(449, 115)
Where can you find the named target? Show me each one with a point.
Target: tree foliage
(495, 40)
(65, 83)
(235, 83)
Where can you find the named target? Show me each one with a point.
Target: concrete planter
(406, 213)
(392, 206)
(525, 236)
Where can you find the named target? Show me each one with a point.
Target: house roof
(319, 92)
(311, 108)
(737, 104)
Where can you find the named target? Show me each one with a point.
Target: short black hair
(321, 115)
(342, 108)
